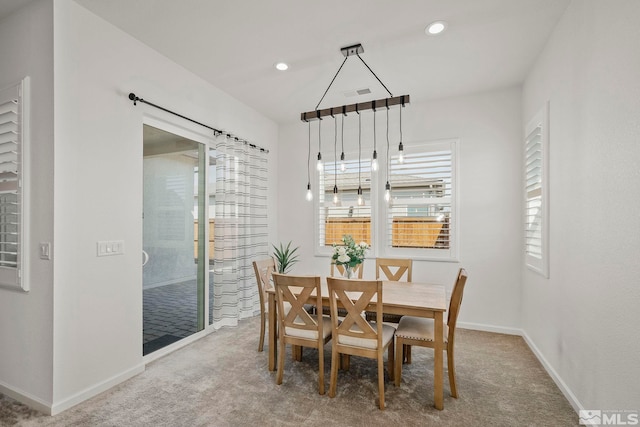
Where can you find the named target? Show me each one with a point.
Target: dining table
(401, 298)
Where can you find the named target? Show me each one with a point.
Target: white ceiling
(489, 44)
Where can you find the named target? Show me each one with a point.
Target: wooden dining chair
(420, 331)
(337, 270)
(394, 270)
(297, 326)
(354, 336)
(401, 266)
(263, 270)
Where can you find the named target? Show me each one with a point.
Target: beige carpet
(221, 380)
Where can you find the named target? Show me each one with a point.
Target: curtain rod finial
(134, 98)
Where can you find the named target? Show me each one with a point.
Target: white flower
(344, 258)
(363, 245)
(342, 250)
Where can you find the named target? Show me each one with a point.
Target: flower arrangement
(349, 254)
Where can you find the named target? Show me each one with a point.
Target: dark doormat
(158, 343)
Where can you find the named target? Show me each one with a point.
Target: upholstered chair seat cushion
(312, 335)
(419, 328)
(387, 335)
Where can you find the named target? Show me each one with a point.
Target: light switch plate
(45, 250)
(110, 247)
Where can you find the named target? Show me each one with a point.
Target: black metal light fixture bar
(361, 106)
(135, 99)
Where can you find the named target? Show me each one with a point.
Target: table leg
(438, 369)
(272, 332)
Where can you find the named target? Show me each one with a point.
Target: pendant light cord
(401, 123)
(374, 131)
(342, 136)
(309, 157)
(388, 159)
(359, 150)
(335, 152)
(320, 139)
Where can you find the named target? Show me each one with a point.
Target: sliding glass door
(175, 268)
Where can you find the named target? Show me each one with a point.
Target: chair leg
(399, 359)
(452, 372)
(406, 348)
(320, 367)
(333, 381)
(296, 353)
(262, 327)
(391, 365)
(281, 356)
(380, 381)
(345, 361)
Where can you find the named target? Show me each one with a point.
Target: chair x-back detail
(402, 268)
(394, 270)
(296, 326)
(355, 336)
(263, 270)
(420, 331)
(337, 270)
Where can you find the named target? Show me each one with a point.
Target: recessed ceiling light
(282, 66)
(435, 28)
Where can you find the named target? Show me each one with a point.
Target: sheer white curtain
(240, 233)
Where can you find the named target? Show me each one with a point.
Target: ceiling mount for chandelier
(317, 114)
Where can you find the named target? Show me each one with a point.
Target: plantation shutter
(346, 216)
(536, 205)
(12, 133)
(420, 214)
(533, 171)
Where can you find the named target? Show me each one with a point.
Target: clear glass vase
(348, 272)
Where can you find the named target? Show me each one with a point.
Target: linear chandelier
(344, 110)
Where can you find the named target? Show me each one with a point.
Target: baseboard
(95, 389)
(489, 328)
(26, 398)
(566, 391)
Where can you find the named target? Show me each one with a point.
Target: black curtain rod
(135, 99)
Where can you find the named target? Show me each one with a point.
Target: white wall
(583, 321)
(489, 128)
(99, 181)
(26, 319)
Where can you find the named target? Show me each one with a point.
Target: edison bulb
(387, 195)
(309, 195)
(374, 165)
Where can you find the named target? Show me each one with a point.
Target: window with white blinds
(337, 217)
(421, 212)
(536, 194)
(12, 164)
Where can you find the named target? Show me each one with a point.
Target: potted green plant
(285, 257)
